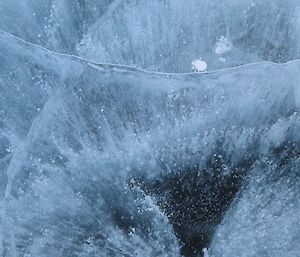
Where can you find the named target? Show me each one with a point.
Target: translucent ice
(92, 132)
(121, 159)
(168, 35)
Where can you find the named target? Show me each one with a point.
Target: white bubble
(199, 65)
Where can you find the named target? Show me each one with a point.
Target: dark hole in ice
(195, 200)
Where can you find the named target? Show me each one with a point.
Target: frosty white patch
(199, 65)
(223, 45)
(205, 252)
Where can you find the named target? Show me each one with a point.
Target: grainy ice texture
(149, 128)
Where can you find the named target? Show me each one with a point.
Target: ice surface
(181, 32)
(70, 189)
(265, 218)
(159, 35)
(55, 24)
(113, 160)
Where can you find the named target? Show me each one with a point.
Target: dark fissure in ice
(195, 200)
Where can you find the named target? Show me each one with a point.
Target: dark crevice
(195, 199)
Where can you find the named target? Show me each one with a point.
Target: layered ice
(93, 130)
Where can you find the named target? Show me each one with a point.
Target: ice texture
(56, 24)
(123, 31)
(108, 149)
(256, 30)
